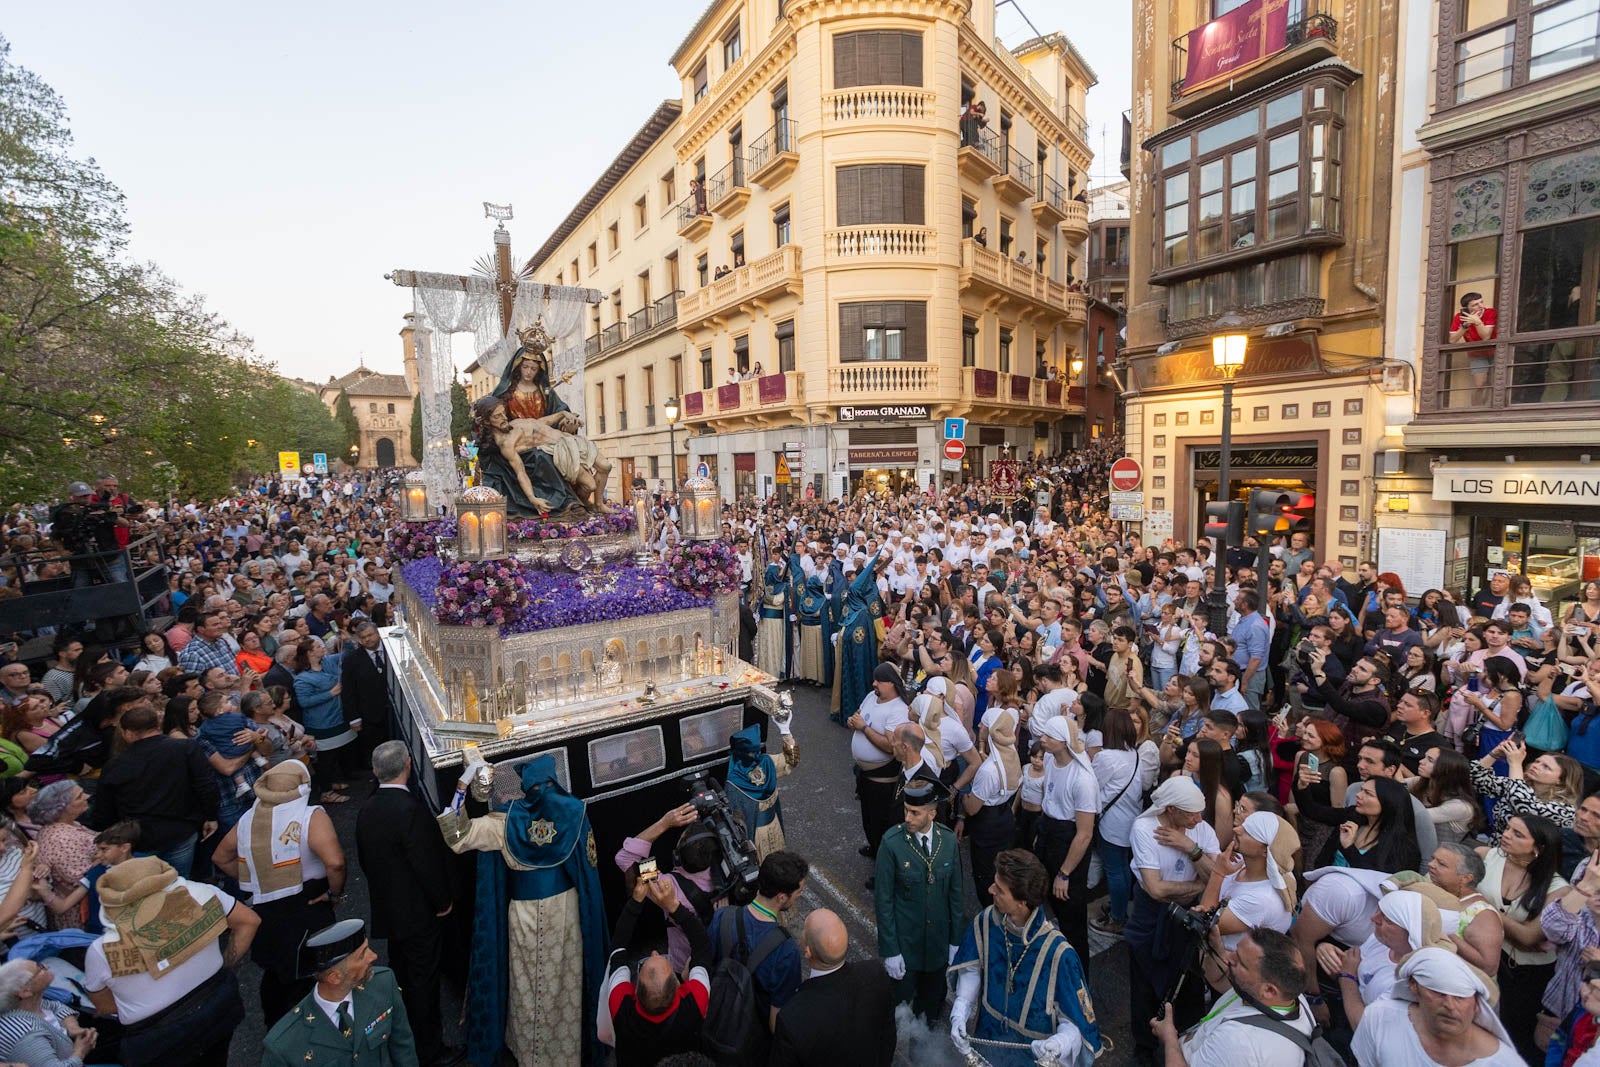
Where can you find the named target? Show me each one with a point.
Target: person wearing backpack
(757, 965)
(1261, 1022)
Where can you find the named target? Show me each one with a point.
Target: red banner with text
(1232, 42)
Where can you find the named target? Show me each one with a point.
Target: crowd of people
(1331, 818)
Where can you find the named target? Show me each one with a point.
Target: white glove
(953, 950)
(1049, 1050)
(785, 728)
(958, 1035)
(896, 966)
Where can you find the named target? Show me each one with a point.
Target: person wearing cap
(1174, 849)
(1441, 1012)
(877, 772)
(1064, 831)
(918, 900)
(352, 1016)
(1025, 982)
(169, 983)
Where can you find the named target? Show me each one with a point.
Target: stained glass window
(1562, 187)
(1475, 206)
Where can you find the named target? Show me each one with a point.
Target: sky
(280, 159)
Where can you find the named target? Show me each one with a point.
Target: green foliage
(460, 412)
(105, 365)
(416, 428)
(345, 415)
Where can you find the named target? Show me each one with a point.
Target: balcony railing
(727, 182)
(1020, 168)
(641, 320)
(613, 335)
(1052, 193)
(1075, 217)
(1006, 389)
(1304, 24)
(778, 139)
(768, 275)
(591, 346)
(768, 393)
(1000, 274)
(872, 379)
(1108, 267)
(1077, 125)
(666, 309)
(984, 142)
(622, 420)
(693, 209)
(878, 103)
(901, 242)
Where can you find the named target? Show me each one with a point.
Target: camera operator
(1174, 849)
(1246, 1027)
(1314, 652)
(85, 525)
(690, 877)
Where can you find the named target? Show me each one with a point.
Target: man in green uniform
(919, 903)
(352, 1018)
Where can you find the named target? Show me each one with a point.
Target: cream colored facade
(1263, 187)
(382, 407)
(870, 319)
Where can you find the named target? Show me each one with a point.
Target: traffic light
(1225, 524)
(1268, 508)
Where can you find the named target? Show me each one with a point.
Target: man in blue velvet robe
(859, 634)
(1022, 977)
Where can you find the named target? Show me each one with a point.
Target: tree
(460, 412)
(345, 415)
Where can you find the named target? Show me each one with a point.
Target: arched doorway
(385, 452)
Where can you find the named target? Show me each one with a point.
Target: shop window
(883, 330)
(969, 342)
(877, 57)
(879, 193)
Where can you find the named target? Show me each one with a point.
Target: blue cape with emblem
(548, 829)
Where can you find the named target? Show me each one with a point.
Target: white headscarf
(1064, 729)
(1263, 826)
(1180, 793)
(1444, 972)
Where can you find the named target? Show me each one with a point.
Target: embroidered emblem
(308, 1057)
(758, 776)
(290, 835)
(859, 636)
(542, 832)
(594, 856)
(1085, 1004)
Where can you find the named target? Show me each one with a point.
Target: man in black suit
(408, 869)
(843, 1015)
(282, 670)
(365, 680)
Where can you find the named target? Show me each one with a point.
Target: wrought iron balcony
(979, 157)
(728, 188)
(772, 156)
(694, 216)
(1305, 26)
(1051, 206)
(613, 335)
(1077, 125)
(1017, 182)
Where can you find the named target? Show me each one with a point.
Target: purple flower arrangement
(704, 567)
(484, 593)
(593, 526)
(414, 540)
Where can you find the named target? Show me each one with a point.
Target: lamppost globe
(1228, 346)
(671, 410)
(1077, 367)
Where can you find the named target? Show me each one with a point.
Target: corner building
(864, 260)
(1261, 184)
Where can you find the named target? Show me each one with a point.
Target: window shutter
(851, 340)
(892, 194)
(846, 61)
(847, 184)
(916, 315)
(872, 200)
(888, 49)
(911, 59)
(911, 181)
(785, 329)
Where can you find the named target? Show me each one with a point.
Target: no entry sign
(1126, 474)
(954, 450)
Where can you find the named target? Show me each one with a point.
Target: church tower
(408, 350)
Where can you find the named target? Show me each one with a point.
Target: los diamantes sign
(1233, 41)
(1519, 483)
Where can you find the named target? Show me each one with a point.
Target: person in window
(1476, 322)
(982, 237)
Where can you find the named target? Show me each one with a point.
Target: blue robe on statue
(566, 861)
(753, 790)
(1047, 987)
(858, 643)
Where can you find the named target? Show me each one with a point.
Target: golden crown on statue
(536, 338)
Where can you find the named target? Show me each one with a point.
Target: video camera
(736, 871)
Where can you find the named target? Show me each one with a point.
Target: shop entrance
(1558, 557)
(883, 480)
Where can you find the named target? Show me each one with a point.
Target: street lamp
(670, 409)
(1227, 355)
(1077, 368)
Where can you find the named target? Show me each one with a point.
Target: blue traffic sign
(955, 429)
(319, 462)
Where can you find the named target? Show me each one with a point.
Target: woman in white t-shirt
(1253, 883)
(1125, 769)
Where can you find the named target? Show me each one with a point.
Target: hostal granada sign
(1521, 483)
